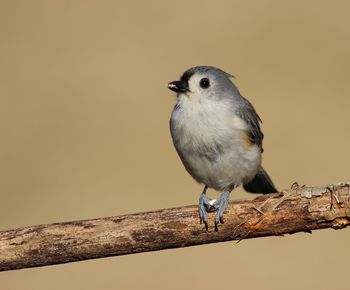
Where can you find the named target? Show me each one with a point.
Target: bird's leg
(205, 205)
(221, 206)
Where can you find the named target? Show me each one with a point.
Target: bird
(217, 135)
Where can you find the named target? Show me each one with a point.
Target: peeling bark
(300, 209)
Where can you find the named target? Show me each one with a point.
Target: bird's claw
(222, 204)
(217, 220)
(206, 205)
(204, 220)
(210, 205)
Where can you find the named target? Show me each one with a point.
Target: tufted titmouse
(217, 134)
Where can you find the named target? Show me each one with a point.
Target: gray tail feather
(261, 183)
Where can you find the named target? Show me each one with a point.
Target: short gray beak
(178, 86)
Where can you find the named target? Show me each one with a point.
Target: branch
(300, 209)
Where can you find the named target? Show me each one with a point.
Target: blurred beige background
(84, 114)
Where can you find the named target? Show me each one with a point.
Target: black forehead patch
(188, 74)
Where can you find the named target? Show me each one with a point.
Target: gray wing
(247, 112)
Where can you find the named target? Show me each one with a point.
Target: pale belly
(208, 139)
(213, 151)
(220, 170)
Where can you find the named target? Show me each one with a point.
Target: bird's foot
(221, 205)
(206, 205)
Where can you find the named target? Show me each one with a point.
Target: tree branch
(300, 209)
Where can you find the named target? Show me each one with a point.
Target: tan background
(84, 114)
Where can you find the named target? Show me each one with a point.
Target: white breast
(208, 138)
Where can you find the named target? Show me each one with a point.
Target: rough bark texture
(296, 210)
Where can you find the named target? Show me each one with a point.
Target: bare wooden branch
(300, 209)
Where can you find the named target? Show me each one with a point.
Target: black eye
(204, 83)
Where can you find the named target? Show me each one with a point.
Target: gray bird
(216, 132)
